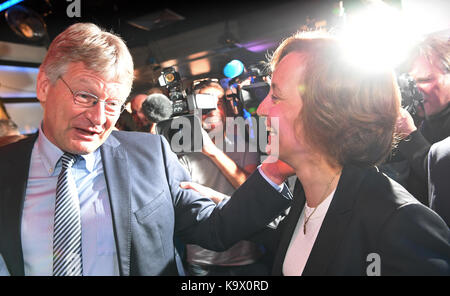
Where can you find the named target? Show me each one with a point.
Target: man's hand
(405, 124)
(215, 196)
(276, 170)
(234, 174)
(208, 147)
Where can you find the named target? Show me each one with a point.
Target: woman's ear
(42, 87)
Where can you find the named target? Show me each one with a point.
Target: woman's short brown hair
(348, 114)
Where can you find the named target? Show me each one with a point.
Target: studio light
(377, 37)
(26, 23)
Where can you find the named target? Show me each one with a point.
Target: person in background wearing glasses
(79, 198)
(429, 65)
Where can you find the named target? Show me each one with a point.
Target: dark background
(217, 31)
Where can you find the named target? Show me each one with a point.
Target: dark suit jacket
(439, 178)
(148, 206)
(369, 213)
(416, 147)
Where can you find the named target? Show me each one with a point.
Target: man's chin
(83, 147)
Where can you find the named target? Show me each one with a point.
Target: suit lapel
(335, 223)
(12, 193)
(115, 165)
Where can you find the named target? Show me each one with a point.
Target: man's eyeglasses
(113, 107)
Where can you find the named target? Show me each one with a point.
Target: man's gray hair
(102, 52)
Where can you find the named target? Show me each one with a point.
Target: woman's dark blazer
(373, 226)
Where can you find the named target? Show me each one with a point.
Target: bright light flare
(377, 38)
(425, 17)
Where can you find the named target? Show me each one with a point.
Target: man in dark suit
(438, 178)
(80, 199)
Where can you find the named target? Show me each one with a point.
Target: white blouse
(301, 244)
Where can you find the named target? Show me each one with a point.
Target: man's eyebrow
(92, 87)
(86, 83)
(84, 80)
(427, 76)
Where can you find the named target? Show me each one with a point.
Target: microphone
(157, 107)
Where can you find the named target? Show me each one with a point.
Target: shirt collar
(89, 160)
(50, 154)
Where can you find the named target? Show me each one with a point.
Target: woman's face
(282, 108)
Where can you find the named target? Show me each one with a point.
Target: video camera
(249, 90)
(412, 97)
(184, 101)
(249, 96)
(184, 104)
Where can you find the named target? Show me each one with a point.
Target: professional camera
(249, 96)
(183, 129)
(249, 90)
(184, 101)
(412, 97)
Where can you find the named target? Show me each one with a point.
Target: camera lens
(170, 77)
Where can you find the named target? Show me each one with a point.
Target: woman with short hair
(332, 124)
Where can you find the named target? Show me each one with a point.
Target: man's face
(433, 82)
(216, 117)
(71, 127)
(136, 107)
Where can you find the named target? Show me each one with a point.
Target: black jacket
(415, 149)
(369, 214)
(439, 176)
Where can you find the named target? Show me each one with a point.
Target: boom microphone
(157, 107)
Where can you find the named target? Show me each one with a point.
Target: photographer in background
(430, 68)
(137, 98)
(142, 125)
(223, 171)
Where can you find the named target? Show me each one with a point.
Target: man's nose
(424, 87)
(96, 114)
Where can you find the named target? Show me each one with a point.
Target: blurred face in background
(217, 117)
(433, 82)
(136, 108)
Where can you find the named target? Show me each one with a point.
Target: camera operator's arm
(413, 145)
(405, 124)
(234, 174)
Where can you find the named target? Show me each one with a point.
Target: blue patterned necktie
(67, 259)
